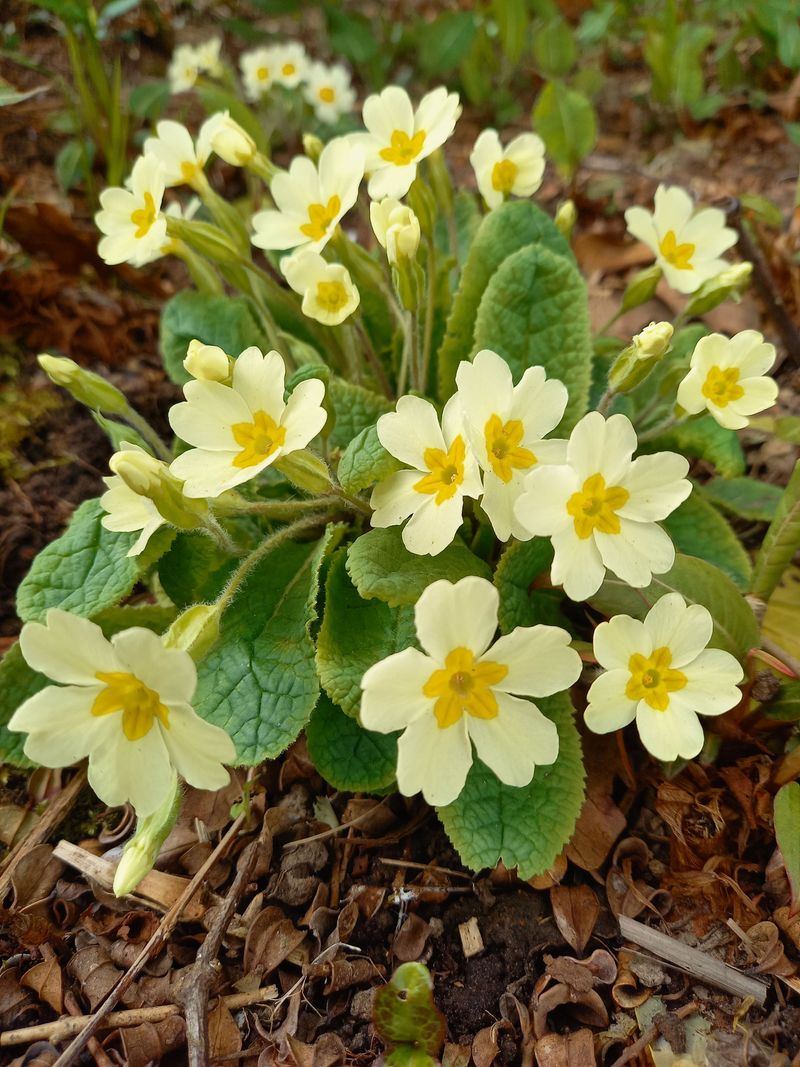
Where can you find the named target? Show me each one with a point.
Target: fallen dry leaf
(576, 911)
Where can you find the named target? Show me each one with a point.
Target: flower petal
(608, 707)
(198, 748)
(433, 526)
(60, 724)
(170, 672)
(657, 485)
(618, 639)
(711, 682)
(392, 695)
(671, 733)
(637, 552)
(259, 381)
(304, 416)
(67, 648)
(516, 741)
(457, 615)
(407, 432)
(136, 771)
(539, 659)
(577, 565)
(433, 761)
(684, 629)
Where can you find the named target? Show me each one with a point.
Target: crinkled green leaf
(381, 566)
(511, 227)
(746, 498)
(17, 683)
(365, 461)
(194, 570)
(535, 313)
(259, 682)
(782, 540)
(149, 616)
(404, 1012)
(520, 603)
(347, 755)
(227, 321)
(567, 123)
(467, 219)
(355, 408)
(524, 827)
(87, 569)
(698, 582)
(355, 633)
(698, 529)
(705, 439)
(787, 832)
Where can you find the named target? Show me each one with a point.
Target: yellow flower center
(504, 174)
(652, 679)
(262, 73)
(446, 471)
(502, 447)
(320, 216)
(403, 149)
(138, 704)
(722, 386)
(188, 170)
(327, 95)
(259, 439)
(331, 296)
(144, 217)
(594, 507)
(288, 69)
(677, 255)
(463, 687)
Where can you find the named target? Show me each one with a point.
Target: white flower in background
(207, 363)
(223, 135)
(258, 67)
(175, 150)
(327, 289)
(329, 91)
(183, 69)
(131, 219)
(240, 429)
(127, 511)
(687, 245)
(660, 673)
(600, 509)
(396, 227)
(207, 54)
(505, 425)
(515, 170)
(124, 703)
(310, 199)
(444, 472)
(728, 378)
(464, 690)
(291, 64)
(399, 137)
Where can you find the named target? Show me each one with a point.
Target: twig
(158, 939)
(198, 980)
(424, 867)
(693, 961)
(56, 811)
(650, 1034)
(336, 829)
(61, 1029)
(101, 1058)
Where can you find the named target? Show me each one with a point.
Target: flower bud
(312, 146)
(306, 471)
(396, 227)
(208, 240)
(141, 852)
(731, 282)
(228, 139)
(84, 385)
(654, 340)
(635, 362)
(151, 478)
(207, 363)
(566, 217)
(195, 630)
(641, 288)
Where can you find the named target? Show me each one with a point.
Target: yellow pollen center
(288, 69)
(331, 296)
(403, 149)
(504, 174)
(503, 447)
(188, 170)
(594, 507)
(144, 217)
(446, 471)
(677, 255)
(722, 386)
(463, 687)
(262, 73)
(320, 217)
(327, 95)
(258, 439)
(652, 679)
(138, 704)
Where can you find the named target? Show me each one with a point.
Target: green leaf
(535, 312)
(259, 681)
(17, 683)
(119, 433)
(149, 99)
(705, 439)
(227, 321)
(513, 226)
(554, 48)
(698, 582)
(9, 95)
(194, 570)
(149, 616)
(468, 220)
(365, 461)
(85, 570)
(566, 121)
(356, 409)
(73, 162)
(520, 604)
(356, 633)
(524, 827)
(444, 42)
(786, 706)
(404, 1012)
(787, 832)
(744, 497)
(781, 542)
(381, 566)
(347, 755)
(351, 35)
(698, 529)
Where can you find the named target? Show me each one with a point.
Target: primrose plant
(410, 506)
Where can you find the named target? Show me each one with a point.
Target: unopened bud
(566, 217)
(423, 204)
(228, 139)
(207, 363)
(208, 240)
(151, 478)
(312, 146)
(195, 630)
(731, 282)
(396, 227)
(641, 288)
(84, 385)
(306, 471)
(635, 362)
(654, 340)
(141, 852)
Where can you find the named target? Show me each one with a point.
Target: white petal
(388, 111)
(759, 394)
(608, 707)
(685, 630)
(60, 723)
(391, 180)
(673, 209)
(304, 416)
(542, 507)
(207, 474)
(198, 748)
(618, 639)
(498, 501)
(67, 648)
(410, 430)
(457, 615)
(637, 552)
(433, 526)
(640, 225)
(516, 741)
(259, 381)
(170, 672)
(671, 733)
(276, 230)
(392, 696)
(577, 564)
(394, 499)
(712, 678)
(539, 402)
(657, 485)
(432, 761)
(539, 659)
(137, 771)
(752, 354)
